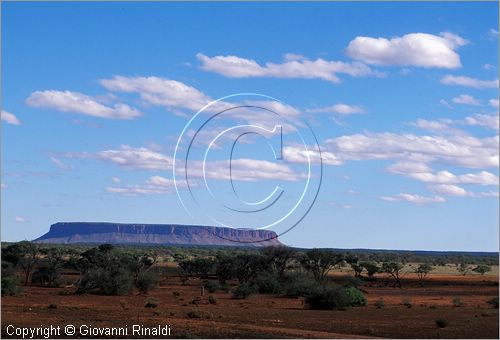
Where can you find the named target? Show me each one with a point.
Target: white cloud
(59, 163)
(422, 172)
(431, 124)
(469, 82)
(494, 102)
(492, 34)
(136, 158)
(414, 49)
(115, 179)
(68, 101)
(487, 121)
(413, 198)
(294, 154)
(488, 67)
(466, 99)
(9, 118)
(445, 103)
(20, 219)
(459, 150)
(341, 109)
(155, 185)
(236, 67)
(169, 93)
(449, 190)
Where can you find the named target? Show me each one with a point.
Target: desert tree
(319, 262)
(422, 270)
(371, 268)
(394, 269)
(25, 255)
(279, 259)
(463, 268)
(482, 269)
(353, 262)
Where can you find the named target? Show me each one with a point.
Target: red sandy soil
(265, 316)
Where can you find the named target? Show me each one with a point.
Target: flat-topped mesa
(156, 234)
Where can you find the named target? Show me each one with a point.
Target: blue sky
(402, 97)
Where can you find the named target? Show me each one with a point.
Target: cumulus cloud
(414, 49)
(296, 67)
(469, 82)
(340, 109)
(413, 198)
(431, 124)
(9, 118)
(158, 91)
(422, 172)
(466, 100)
(68, 101)
(459, 150)
(494, 102)
(486, 121)
(155, 185)
(449, 190)
(20, 219)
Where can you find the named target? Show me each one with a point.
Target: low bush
(194, 314)
(10, 286)
(146, 281)
(356, 296)
(152, 303)
(268, 283)
(212, 286)
(212, 300)
(407, 302)
(441, 323)
(457, 302)
(243, 291)
(299, 285)
(493, 302)
(379, 303)
(52, 306)
(329, 297)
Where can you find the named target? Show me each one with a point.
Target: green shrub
(493, 302)
(243, 291)
(10, 286)
(299, 285)
(441, 323)
(379, 303)
(146, 281)
(457, 302)
(212, 286)
(268, 283)
(356, 296)
(328, 297)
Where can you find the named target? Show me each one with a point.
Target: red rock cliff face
(158, 234)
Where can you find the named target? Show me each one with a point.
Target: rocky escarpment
(157, 234)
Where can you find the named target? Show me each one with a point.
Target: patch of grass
(151, 303)
(379, 303)
(433, 306)
(176, 293)
(442, 323)
(457, 302)
(52, 306)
